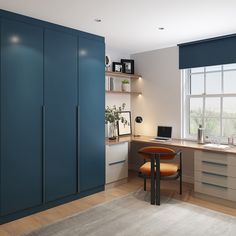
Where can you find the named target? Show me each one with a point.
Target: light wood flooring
(29, 223)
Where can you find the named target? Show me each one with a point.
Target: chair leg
(180, 184)
(180, 174)
(144, 183)
(153, 190)
(158, 182)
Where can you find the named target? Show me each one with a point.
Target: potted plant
(112, 116)
(125, 85)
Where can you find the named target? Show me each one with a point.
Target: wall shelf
(123, 75)
(121, 92)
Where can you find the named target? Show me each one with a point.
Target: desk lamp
(138, 120)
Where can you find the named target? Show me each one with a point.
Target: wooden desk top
(174, 142)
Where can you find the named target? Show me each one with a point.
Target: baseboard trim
(116, 183)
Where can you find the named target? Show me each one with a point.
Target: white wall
(160, 103)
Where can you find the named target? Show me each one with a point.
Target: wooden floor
(170, 188)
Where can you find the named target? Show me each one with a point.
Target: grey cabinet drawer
(116, 162)
(216, 179)
(215, 190)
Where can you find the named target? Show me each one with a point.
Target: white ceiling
(132, 25)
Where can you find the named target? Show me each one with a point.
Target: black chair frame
(156, 177)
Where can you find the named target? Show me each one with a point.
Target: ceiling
(132, 25)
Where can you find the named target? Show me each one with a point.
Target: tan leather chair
(156, 170)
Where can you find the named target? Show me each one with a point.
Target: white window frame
(186, 96)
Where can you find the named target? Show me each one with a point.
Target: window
(209, 99)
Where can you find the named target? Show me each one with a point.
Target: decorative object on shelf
(138, 120)
(124, 124)
(128, 66)
(125, 85)
(107, 83)
(112, 116)
(117, 67)
(117, 75)
(107, 62)
(112, 84)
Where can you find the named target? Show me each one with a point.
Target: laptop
(164, 133)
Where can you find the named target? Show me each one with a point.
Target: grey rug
(133, 215)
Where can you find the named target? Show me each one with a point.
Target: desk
(174, 143)
(214, 170)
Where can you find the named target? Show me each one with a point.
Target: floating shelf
(121, 92)
(123, 75)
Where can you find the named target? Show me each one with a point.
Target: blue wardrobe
(52, 103)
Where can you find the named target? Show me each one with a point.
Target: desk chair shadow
(154, 169)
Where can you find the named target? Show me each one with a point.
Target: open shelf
(123, 75)
(121, 92)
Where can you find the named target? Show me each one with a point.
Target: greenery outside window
(209, 99)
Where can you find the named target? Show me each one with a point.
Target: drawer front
(214, 167)
(214, 190)
(216, 179)
(116, 152)
(116, 162)
(116, 171)
(221, 158)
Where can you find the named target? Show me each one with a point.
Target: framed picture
(124, 129)
(128, 66)
(117, 67)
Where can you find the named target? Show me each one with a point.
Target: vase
(112, 131)
(125, 87)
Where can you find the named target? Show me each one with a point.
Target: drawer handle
(214, 185)
(117, 162)
(208, 173)
(214, 163)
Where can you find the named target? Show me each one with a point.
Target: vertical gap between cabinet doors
(43, 127)
(78, 120)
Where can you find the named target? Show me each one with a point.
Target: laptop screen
(164, 131)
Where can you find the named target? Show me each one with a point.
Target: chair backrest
(148, 152)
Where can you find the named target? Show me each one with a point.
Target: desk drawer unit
(215, 174)
(116, 162)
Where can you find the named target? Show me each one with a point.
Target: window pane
(213, 83)
(196, 107)
(197, 84)
(197, 70)
(229, 66)
(229, 81)
(229, 107)
(213, 68)
(194, 124)
(229, 127)
(212, 107)
(212, 126)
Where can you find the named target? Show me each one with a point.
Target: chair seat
(166, 169)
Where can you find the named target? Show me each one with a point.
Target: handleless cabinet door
(60, 94)
(92, 110)
(21, 116)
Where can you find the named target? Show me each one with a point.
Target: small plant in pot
(112, 117)
(125, 85)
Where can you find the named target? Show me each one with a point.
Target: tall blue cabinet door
(92, 105)
(60, 98)
(21, 116)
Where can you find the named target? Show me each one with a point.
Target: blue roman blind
(209, 52)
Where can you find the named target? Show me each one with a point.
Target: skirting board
(216, 200)
(116, 183)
